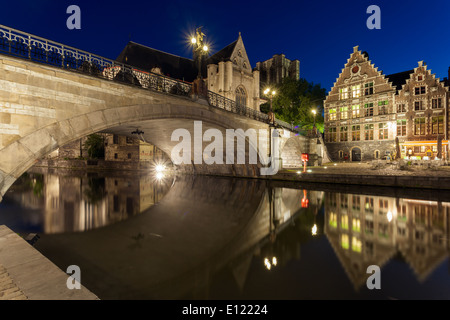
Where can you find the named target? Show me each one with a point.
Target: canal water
(137, 236)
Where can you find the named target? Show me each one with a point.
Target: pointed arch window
(241, 97)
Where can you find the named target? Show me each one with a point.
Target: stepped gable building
(366, 111)
(274, 70)
(228, 72)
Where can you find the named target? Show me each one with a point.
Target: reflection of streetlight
(270, 93)
(314, 230)
(269, 264)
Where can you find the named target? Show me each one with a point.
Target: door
(356, 154)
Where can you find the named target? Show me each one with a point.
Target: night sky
(321, 34)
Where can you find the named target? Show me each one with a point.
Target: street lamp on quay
(270, 94)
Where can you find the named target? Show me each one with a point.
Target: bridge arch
(291, 152)
(157, 121)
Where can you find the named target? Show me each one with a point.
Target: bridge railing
(27, 46)
(218, 101)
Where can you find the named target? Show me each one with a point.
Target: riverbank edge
(36, 277)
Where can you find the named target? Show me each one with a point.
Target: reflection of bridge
(51, 94)
(196, 229)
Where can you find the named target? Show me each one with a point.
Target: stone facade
(274, 70)
(122, 148)
(366, 111)
(230, 74)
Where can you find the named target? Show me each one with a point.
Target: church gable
(358, 75)
(239, 56)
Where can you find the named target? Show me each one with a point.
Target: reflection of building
(365, 111)
(73, 204)
(370, 230)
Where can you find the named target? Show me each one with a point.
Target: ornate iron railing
(222, 102)
(23, 45)
(27, 46)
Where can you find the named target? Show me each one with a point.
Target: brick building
(366, 111)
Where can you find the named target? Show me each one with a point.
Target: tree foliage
(95, 146)
(294, 102)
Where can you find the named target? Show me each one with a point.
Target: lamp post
(314, 125)
(200, 49)
(270, 94)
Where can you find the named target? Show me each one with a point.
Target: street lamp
(270, 94)
(200, 48)
(314, 126)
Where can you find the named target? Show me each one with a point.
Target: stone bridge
(44, 106)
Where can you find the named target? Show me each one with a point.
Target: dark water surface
(135, 236)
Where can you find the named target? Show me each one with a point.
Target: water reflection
(220, 238)
(372, 230)
(70, 201)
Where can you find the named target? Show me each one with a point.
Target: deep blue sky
(321, 34)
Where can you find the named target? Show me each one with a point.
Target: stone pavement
(26, 274)
(8, 289)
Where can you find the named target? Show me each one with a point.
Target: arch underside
(156, 121)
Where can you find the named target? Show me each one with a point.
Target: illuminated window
(368, 88)
(343, 133)
(333, 220)
(344, 113)
(344, 222)
(332, 114)
(356, 225)
(437, 124)
(436, 103)
(355, 111)
(344, 93)
(356, 244)
(368, 110)
(356, 133)
(401, 128)
(356, 91)
(368, 204)
(383, 107)
(419, 126)
(368, 131)
(345, 241)
(383, 131)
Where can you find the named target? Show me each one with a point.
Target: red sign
(305, 157)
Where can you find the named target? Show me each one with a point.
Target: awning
(423, 143)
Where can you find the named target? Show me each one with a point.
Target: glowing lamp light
(160, 168)
(274, 92)
(193, 41)
(389, 216)
(266, 91)
(205, 48)
(314, 230)
(159, 175)
(274, 261)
